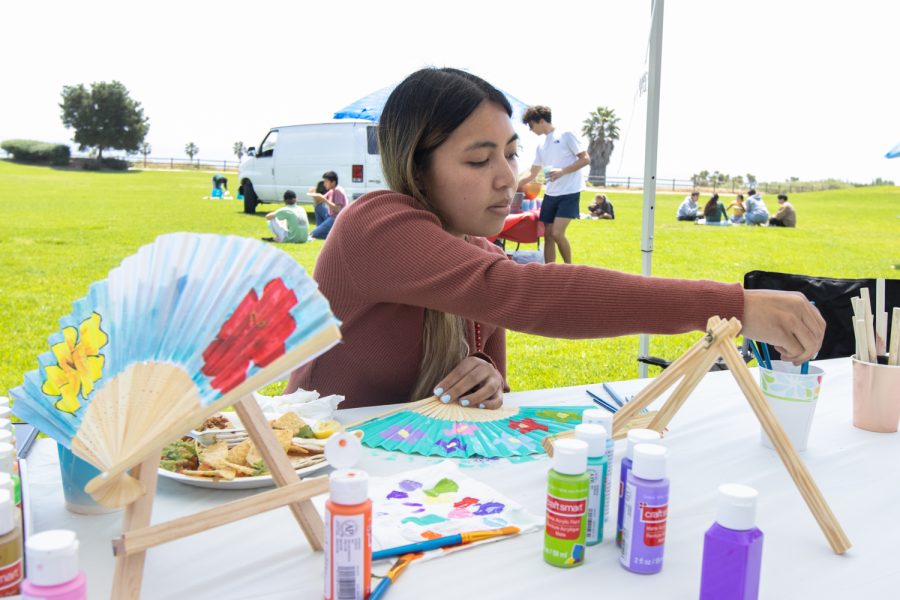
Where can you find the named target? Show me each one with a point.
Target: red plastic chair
(523, 228)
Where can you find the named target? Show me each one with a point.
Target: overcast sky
(772, 87)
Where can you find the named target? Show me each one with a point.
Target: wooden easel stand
(137, 535)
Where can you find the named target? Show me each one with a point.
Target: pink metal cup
(876, 397)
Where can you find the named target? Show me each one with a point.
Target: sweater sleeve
(413, 261)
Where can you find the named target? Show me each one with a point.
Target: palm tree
(239, 150)
(146, 149)
(601, 128)
(191, 150)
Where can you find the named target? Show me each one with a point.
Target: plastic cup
(792, 397)
(876, 396)
(76, 473)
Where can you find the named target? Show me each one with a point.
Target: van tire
(250, 199)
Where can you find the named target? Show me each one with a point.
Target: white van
(294, 158)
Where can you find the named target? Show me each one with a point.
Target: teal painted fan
(432, 428)
(187, 326)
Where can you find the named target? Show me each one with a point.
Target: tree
(239, 150)
(751, 180)
(601, 128)
(145, 149)
(104, 117)
(191, 150)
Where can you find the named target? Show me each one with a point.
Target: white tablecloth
(714, 439)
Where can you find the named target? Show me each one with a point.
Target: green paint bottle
(567, 498)
(598, 473)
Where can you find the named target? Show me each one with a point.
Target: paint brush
(598, 400)
(443, 542)
(617, 398)
(755, 350)
(392, 575)
(766, 356)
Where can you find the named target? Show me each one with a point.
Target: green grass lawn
(60, 230)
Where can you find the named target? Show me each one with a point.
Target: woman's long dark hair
(418, 117)
(712, 206)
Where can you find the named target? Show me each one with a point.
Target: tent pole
(650, 146)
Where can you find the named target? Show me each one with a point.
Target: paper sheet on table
(307, 405)
(439, 500)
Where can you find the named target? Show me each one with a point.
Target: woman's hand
(787, 320)
(474, 383)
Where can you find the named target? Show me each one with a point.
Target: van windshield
(267, 147)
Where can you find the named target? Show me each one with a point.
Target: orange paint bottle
(348, 524)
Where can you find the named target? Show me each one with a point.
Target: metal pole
(650, 146)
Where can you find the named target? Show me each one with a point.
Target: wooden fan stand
(138, 535)
(692, 366)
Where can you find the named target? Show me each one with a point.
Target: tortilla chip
(295, 449)
(289, 421)
(227, 474)
(238, 454)
(241, 470)
(214, 455)
(299, 462)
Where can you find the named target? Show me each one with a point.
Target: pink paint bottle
(52, 567)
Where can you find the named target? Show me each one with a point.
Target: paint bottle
(53, 572)
(646, 511)
(596, 416)
(598, 472)
(567, 497)
(8, 464)
(348, 523)
(635, 436)
(732, 547)
(10, 547)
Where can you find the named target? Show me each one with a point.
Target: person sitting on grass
(786, 215)
(601, 208)
(737, 209)
(687, 211)
(328, 205)
(714, 211)
(289, 223)
(757, 213)
(425, 300)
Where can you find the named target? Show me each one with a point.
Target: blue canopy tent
(893, 152)
(370, 107)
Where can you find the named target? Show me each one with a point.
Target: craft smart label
(564, 533)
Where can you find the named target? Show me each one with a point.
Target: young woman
(425, 300)
(714, 211)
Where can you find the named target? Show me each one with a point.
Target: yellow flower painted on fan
(79, 364)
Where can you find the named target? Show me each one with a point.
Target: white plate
(238, 483)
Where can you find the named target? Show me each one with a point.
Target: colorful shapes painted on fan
(560, 416)
(396, 494)
(467, 501)
(398, 433)
(451, 446)
(408, 485)
(495, 522)
(254, 333)
(460, 513)
(527, 424)
(461, 429)
(79, 364)
(424, 520)
(444, 486)
(489, 508)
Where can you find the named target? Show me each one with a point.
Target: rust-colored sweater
(387, 259)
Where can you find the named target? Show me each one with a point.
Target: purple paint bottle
(635, 436)
(646, 511)
(732, 547)
(52, 567)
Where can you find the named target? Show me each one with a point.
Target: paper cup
(876, 396)
(792, 397)
(76, 473)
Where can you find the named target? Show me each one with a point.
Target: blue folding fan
(187, 326)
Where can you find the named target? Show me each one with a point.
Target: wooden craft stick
(129, 570)
(683, 390)
(880, 316)
(279, 464)
(866, 306)
(139, 540)
(858, 352)
(795, 467)
(894, 358)
(642, 421)
(859, 328)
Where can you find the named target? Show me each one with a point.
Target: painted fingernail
(445, 398)
(438, 391)
(464, 402)
(481, 405)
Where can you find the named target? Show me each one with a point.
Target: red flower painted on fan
(254, 333)
(526, 425)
